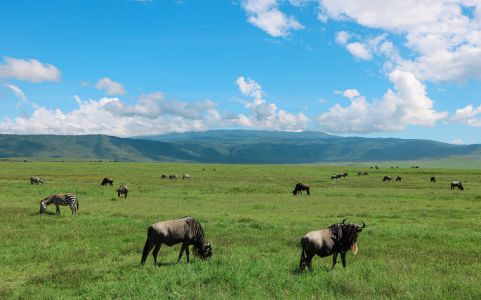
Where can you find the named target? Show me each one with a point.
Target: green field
(422, 240)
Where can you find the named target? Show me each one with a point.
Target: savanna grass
(422, 240)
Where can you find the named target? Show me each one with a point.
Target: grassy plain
(422, 240)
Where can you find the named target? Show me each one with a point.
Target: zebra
(36, 180)
(69, 199)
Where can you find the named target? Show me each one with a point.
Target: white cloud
(110, 87)
(457, 142)
(17, 91)
(407, 105)
(444, 40)
(267, 115)
(29, 70)
(359, 50)
(266, 15)
(468, 115)
(342, 37)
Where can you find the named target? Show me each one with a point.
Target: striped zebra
(69, 199)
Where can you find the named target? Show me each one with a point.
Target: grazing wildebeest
(301, 187)
(338, 238)
(171, 177)
(399, 178)
(163, 176)
(185, 230)
(106, 181)
(457, 184)
(36, 180)
(387, 178)
(433, 179)
(365, 173)
(186, 176)
(123, 190)
(334, 177)
(69, 199)
(361, 173)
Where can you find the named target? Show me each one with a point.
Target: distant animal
(387, 178)
(186, 176)
(58, 200)
(334, 177)
(343, 175)
(106, 181)
(433, 179)
(334, 240)
(163, 176)
(186, 230)
(123, 190)
(392, 167)
(398, 178)
(171, 177)
(301, 187)
(36, 180)
(376, 167)
(457, 184)
(361, 173)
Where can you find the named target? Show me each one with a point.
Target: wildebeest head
(43, 207)
(347, 234)
(204, 252)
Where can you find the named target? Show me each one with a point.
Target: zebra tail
(146, 251)
(77, 204)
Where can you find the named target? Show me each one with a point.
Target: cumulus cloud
(445, 40)
(28, 70)
(359, 50)
(406, 105)
(266, 15)
(267, 115)
(468, 115)
(110, 87)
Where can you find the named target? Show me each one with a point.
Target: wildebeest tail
(147, 247)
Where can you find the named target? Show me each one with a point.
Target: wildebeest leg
(334, 260)
(156, 250)
(181, 252)
(187, 252)
(57, 212)
(343, 259)
(309, 262)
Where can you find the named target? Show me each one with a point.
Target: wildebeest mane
(196, 230)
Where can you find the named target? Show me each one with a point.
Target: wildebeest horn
(363, 224)
(343, 221)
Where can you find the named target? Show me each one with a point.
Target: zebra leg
(73, 208)
(156, 251)
(57, 212)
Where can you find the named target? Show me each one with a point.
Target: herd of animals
(337, 239)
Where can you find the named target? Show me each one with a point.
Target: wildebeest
(171, 177)
(163, 176)
(185, 230)
(301, 187)
(361, 173)
(338, 238)
(399, 178)
(433, 179)
(457, 184)
(58, 200)
(123, 190)
(36, 180)
(106, 181)
(387, 178)
(334, 177)
(186, 176)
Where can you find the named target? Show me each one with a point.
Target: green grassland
(422, 240)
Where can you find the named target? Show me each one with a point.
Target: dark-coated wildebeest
(123, 190)
(433, 179)
(337, 239)
(399, 178)
(172, 177)
(457, 184)
(186, 176)
(334, 177)
(301, 187)
(36, 180)
(106, 181)
(163, 176)
(185, 230)
(387, 178)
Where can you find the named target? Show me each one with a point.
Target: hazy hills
(229, 146)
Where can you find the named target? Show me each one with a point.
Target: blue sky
(407, 69)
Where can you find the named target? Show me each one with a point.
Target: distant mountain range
(230, 146)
